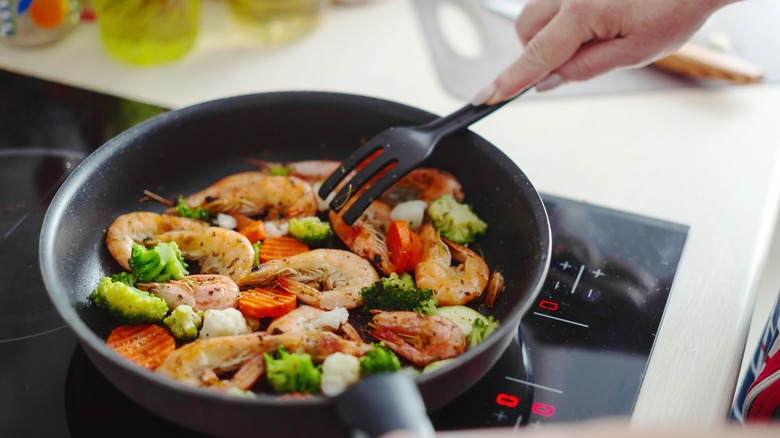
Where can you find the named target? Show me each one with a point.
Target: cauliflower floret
(322, 204)
(331, 318)
(225, 322)
(338, 372)
(226, 221)
(412, 212)
(275, 229)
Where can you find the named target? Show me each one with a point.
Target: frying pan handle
(382, 403)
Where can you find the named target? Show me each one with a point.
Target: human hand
(575, 40)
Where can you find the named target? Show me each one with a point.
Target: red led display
(507, 400)
(549, 305)
(543, 409)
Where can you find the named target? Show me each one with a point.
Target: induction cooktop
(580, 352)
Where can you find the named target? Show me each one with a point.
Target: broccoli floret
(379, 360)
(159, 264)
(198, 213)
(184, 322)
(398, 293)
(455, 221)
(124, 277)
(127, 304)
(481, 330)
(310, 230)
(281, 171)
(292, 372)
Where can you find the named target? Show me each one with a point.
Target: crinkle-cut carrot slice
(262, 303)
(279, 247)
(147, 344)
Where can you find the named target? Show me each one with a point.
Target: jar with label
(37, 22)
(148, 32)
(275, 22)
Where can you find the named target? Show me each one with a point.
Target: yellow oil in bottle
(276, 22)
(148, 32)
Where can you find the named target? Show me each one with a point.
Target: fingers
(600, 57)
(536, 14)
(552, 46)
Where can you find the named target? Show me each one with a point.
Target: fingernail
(483, 95)
(550, 82)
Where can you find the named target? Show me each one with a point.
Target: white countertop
(707, 158)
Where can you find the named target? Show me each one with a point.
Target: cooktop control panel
(583, 347)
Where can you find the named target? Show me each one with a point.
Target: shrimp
(311, 171)
(302, 317)
(224, 185)
(200, 363)
(201, 292)
(425, 184)
(141, 228)
(308, 317)
(277, 198)
(314, 172)
(450, 285)
(217, 250)
(366, 237)
(323, 278)
(420, 338)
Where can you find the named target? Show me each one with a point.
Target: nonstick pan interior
(183, 151)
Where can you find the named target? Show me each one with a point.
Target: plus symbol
(500, 416)
(598, 273)
(565, 265)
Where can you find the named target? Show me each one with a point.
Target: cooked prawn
(301, 318)
(274, 197)
(308, 317)
(450, 285)
(311, 171)
(201, 292)
(366, 237)
(425, 184)
(323, 278)
(420, 338)
(217, 250)
(223, 186)
(142, 228)
(200, 363)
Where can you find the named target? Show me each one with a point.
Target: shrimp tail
(304, 292)
(247, 375)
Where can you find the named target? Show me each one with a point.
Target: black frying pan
(182, 151)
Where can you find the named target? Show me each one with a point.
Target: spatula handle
(464, 117)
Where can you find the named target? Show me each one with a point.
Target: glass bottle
(30, 23)
(275, 22)
(148, 32)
